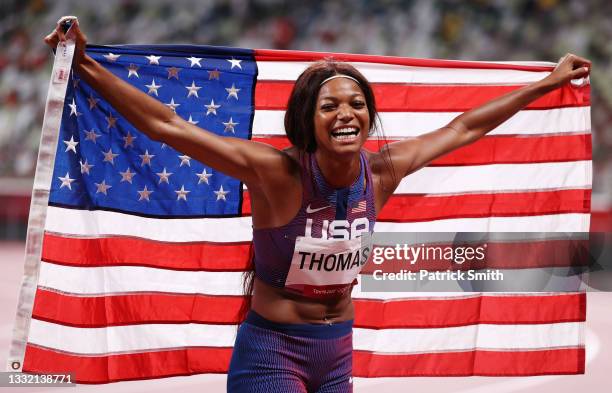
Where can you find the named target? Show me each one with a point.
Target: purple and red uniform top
(319, 252)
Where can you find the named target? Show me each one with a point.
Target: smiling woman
(310, 205)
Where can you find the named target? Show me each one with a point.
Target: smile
(345, 133)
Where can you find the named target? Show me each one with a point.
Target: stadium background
(494, 30)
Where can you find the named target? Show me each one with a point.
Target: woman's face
(341, 120)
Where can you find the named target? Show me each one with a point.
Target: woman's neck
(338, 172)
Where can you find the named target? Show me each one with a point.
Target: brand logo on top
(310, 210)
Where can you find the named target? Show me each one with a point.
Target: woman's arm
(409, 155)
(246, 160)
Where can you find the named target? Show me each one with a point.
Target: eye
(358, 104)
(328, 107)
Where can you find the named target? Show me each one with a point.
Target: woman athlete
(310, 203)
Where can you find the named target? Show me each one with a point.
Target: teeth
(344, 137)
(345, 131)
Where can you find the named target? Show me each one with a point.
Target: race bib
(325, 267)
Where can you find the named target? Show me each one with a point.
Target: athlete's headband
(339, 76)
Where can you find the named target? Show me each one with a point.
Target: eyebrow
(334, 98)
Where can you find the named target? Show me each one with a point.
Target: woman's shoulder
(295, 155)
(375, 160)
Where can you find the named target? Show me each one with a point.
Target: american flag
(134, 265)
(361, 207)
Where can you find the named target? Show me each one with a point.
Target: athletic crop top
(318, 253)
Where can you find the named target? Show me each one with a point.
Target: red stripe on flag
(512, 150)
(414, 208)
(139, 308)
(494, 149)
(125, 367)
(157, 364)
(396, 97)
(439, 313)
(292, 55)
(141, 252)
(478, 362)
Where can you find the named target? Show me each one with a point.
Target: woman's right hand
(74, 32)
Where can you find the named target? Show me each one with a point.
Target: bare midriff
(282, 306)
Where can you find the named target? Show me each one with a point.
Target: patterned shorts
(291, 358)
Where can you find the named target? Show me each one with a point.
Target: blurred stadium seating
(476, 30)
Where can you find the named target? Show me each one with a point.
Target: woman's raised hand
(74, 32)
(568, 68)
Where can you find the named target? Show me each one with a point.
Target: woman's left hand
(568, 68)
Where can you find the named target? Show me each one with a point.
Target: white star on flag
(127, 175)
(221, 193)
(164, 176)
(235, 63)
(172, 105)
(195, 61)
(109, 156)
(193, 90)
(212, 108)
(232, 92)
(71, 144)
(111, 57)
(85, 167)
(153, 60)
(153, 88)
(194, 122)
(185, 160)
(91, 135)
(146, 158)
(102, 187)
(73, 109)
(66, 181)
(203, 176)
(111, 120)
(229, 126)
(182, 194)
(144, 194)
(133, 70)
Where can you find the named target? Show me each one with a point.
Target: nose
(345, 113)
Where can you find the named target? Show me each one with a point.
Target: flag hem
(62, 66)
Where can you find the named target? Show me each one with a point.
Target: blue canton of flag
(104, 163)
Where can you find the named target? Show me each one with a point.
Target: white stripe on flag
(124, 279)
(390, 73)
(146, 337)
(101, 223)
(358, 294)
(481, 336)
(572, 222)
(77, 223)
(498, 177)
